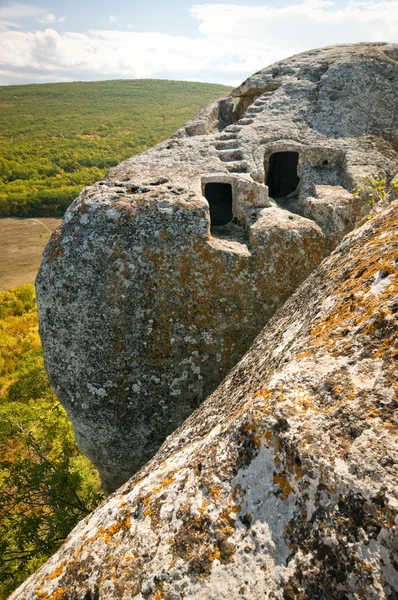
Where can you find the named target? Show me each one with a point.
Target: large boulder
(162, 274)
(283, 484)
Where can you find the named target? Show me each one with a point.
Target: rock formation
(283, 484)
(162, 274)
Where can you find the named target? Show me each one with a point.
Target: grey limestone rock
(162, 274)
(283, 484)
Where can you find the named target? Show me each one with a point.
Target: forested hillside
(46, 484)
(57, 138)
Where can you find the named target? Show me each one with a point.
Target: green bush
(376, 191)
(46, 484)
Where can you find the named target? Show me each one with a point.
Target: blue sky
(224, 42)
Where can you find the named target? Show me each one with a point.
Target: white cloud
(309, 24)
(15, 10)
(49, 18)
(108, 53)
(112, 19)
(235, 42)
(12, 14)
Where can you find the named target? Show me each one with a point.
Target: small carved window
(282, 178)
(219, 197)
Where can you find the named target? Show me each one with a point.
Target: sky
(90, 40)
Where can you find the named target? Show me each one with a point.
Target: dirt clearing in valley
(22, 242)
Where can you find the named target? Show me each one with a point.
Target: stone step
(227, 136)
(234, 128)
(245, 121)
(238, 167)
(229, 144)
(254, 110)
(230, 155)
(262, 100)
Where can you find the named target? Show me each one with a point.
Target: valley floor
(22, 242)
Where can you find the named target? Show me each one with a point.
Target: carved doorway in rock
(219, 197)
(282, 178)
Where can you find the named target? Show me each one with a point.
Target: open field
(22, 242)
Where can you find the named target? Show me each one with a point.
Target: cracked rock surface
(162, 274)
(283, 484)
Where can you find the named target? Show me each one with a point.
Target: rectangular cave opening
(219, 197)
(282, 178)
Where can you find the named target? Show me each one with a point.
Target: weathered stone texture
(148, 314)
(145, 303)
(283, 484)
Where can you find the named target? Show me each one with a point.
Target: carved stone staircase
(227, 142)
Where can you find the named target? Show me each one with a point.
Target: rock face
(283, 484)
(162, 274)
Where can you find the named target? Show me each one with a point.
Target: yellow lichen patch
(264, 393)
(346, 398)
(166, 482)
(283, 484)
(372, 413)
(152, 502)
(292, 546)
(215, 492)
(226, 522)
(237, 491)
(158, 594)
(358, 305)
(122, 525)
(302, 399)
(57, 595)
(57, 572)
(304, 354)
(251, 428)
(215, 555)
(298, 472)
(115, 528)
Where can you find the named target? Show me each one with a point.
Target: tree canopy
(46, 484)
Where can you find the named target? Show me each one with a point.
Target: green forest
(57, 138)
(46, 485)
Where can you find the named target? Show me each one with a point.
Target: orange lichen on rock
(359, 303)
(56, 595)
(283, 484)
(285, 479)
(57, 572)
